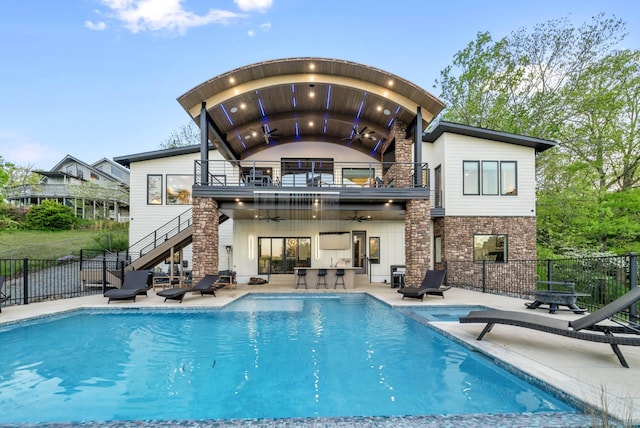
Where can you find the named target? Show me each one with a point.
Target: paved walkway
(587, 371)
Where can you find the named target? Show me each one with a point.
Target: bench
(557, 293)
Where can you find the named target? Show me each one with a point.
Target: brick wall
(205, 237)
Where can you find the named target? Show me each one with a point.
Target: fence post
(633, 283)
(484, 276)
(104, 273)
(25, 281)
(549, 270)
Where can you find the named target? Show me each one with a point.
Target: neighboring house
(324, 163)
(96, 191)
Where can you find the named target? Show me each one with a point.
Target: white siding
(458, 148)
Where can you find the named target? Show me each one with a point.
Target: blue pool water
(444, 313)
(264, 356)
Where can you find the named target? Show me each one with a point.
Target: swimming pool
(263, 356)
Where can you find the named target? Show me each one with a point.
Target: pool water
(445, 313)
(263, 356)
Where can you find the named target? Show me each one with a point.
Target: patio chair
(3, 297)
(136, 282)
(431, 284)
(207, 285)
(587, 327)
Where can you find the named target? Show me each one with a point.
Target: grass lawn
(52, 245)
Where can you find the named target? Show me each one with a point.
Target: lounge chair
(595, 332)
(3, 297)
(431, 284)
(207, 285)
(136, 282)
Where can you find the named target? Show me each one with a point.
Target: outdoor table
(555, 298)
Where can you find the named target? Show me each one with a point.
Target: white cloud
(258, 5)
(167, 15)
(266, 26)
(251, 33)
(97, 26)
(21, 150)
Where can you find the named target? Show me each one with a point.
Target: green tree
(50, 215)
(566, 84)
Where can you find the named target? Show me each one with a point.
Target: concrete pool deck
(588, 371)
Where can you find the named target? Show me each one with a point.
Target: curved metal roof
(308, 99)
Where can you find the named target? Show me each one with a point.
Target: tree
(186, 135)
(566, 84)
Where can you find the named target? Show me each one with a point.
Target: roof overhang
(286, 101)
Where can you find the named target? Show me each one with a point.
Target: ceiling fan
(359, 135)
(268, 218)
(359, 218)
(269, 134)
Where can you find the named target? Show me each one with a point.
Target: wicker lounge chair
(431, 284)
(136, 282)
(3, 297)
(207, 285)
(587, 327)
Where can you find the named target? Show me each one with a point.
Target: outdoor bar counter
(312, 277)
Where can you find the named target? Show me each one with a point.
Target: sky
(99, 79)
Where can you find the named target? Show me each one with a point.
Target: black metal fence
(35, 280)
(603, 278)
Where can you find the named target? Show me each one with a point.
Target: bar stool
(340, 278)
(302, 278)
(322, 278)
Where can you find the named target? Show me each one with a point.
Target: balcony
(32, 193)
(349, 180)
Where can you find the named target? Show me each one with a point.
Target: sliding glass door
(281, 255)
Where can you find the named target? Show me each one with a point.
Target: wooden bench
(557, 293)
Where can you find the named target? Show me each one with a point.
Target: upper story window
(493, 177)
(154, 189)
(179, 189)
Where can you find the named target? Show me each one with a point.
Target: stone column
(417, 241)
(401, 172)
(205, 237)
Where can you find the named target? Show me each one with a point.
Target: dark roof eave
(538, 144)
(126, 160)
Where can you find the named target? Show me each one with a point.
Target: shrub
(50, 215)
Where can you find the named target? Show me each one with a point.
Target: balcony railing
(310, 173)
(61, 190)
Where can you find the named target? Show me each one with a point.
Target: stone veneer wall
(205, 237)
(400, 173)
(417, 241)
(457, 249)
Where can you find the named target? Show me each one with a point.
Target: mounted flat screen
(335, 240)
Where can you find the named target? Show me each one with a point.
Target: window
(490, 248)
(281, 255)
(154, 189)
(437, 249)
(358, 177)
(495, 177)
(179, 189)
(489, 177)
(471, 181)
(374, 250)
(508, 178)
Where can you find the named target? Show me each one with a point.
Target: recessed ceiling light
(386, 112)
(311, 124)
(312, 66)
(312, 94)
(390, 82)
(379, 108)
(243, 106)
(254, 133)
(234, 109)
(247, 137)
(232, 80)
